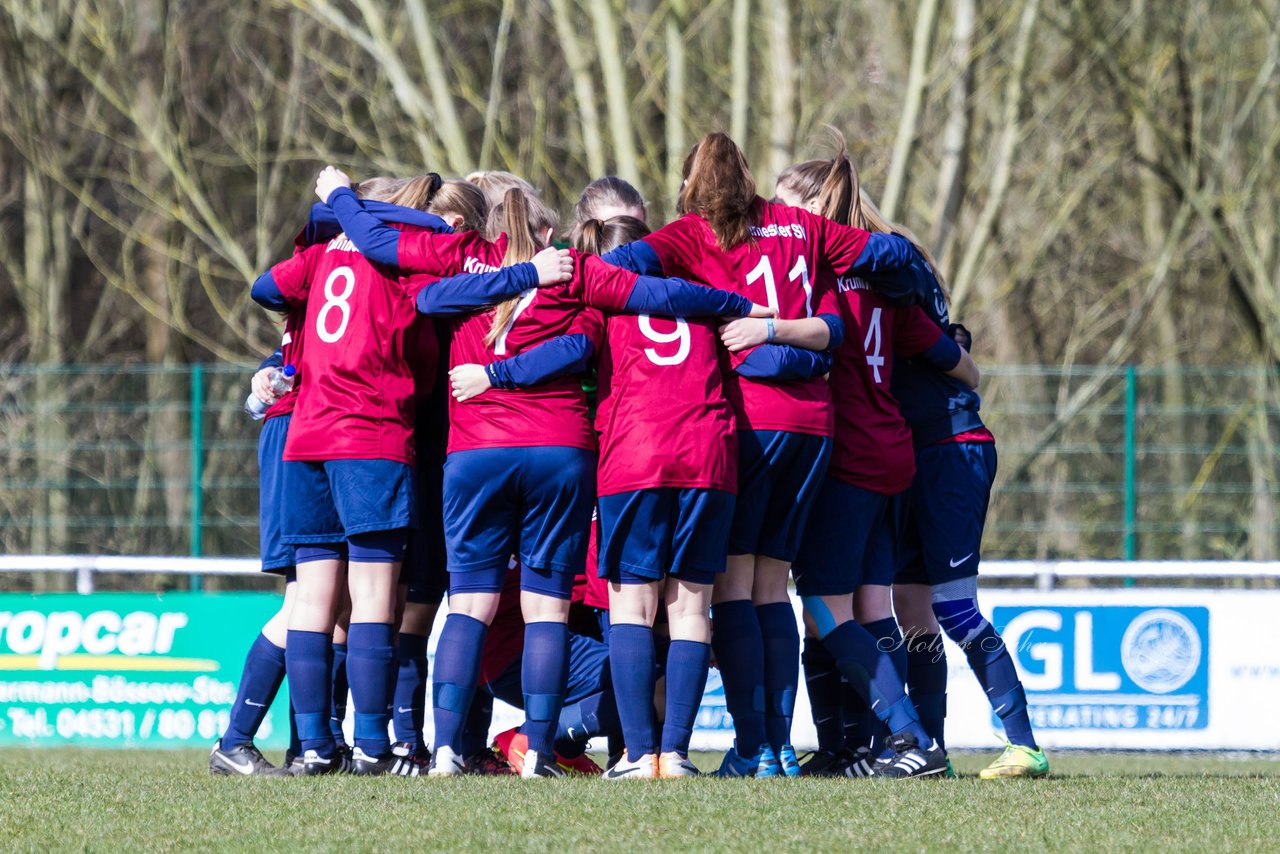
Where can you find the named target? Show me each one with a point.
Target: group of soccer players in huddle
(778, 394)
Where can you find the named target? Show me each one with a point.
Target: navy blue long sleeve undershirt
(376, 240)
(467, 292)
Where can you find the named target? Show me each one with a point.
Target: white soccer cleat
(446, 763)
(644, 768)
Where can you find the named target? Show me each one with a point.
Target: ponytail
(719, 187)
(838, 190)
(524, 220)
(417, 192)
(596, 237)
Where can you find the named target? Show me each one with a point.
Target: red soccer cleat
(512, 746)
(579, 765)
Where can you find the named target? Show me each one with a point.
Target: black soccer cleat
(241, 761)
(824, 763)
(364, 765)
(313, 764)
(408, 761)
(911, 760)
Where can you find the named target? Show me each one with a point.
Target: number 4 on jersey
(874, 359)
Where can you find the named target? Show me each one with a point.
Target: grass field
(58, 800)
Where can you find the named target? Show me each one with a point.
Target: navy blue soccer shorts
(328, 501)
(942, 536)
(851, 540)
(532, 502)
(277, 556)
(779, 475)
(651, 533)
(545, 582)
(425, 568)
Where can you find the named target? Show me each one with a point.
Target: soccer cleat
(644, 768)
(859, 764)
(580, 766)
(735, 765)
(1017, 761)
(409, 762)
(512, 746)
(824, 763)
(446, 763)
(364, 765)
(243, 761)
(950, 773)
(787, 759)
(767, 764)
(538, 766)
(673, 766)
(313, 764)
(488, 763)
(911, 760)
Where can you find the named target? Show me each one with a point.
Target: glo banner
(127, 669)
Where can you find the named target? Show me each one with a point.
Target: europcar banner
(128, 669)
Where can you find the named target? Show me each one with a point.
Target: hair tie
(768, 322)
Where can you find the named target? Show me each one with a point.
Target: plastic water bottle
(281, 382)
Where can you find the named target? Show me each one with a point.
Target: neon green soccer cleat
(1017, 761)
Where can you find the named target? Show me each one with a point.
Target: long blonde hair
(494, 183)
(835, 185)
(525, 221)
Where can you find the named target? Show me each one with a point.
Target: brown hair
(464, 199)
(718, 187)
(836, 186)
(597, 237)
(379, 188)
(495, 183)
(524, 220)
(417, 192)
(607, 192)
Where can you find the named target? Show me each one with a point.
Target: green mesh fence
(1095, 462)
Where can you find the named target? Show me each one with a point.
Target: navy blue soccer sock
(592, 716)
(338, 678)
(453, 682)
(371, 670)
(739, 650)
(873, 676)
(633, 669)
(259, 681)
(860, 724)
(475, 729)
(888, 637)
(308, 659)
(822, 678)
(687, 663)
(295, 742)
(991, 663)
(409, 703)
(544, 672)
(781, 638)
(927, 683)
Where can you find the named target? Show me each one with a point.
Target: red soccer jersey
(291, 348)
(551, 414)
(663, 416)
(777, 267)
(873, 448)
(356, 396)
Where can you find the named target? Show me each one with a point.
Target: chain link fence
(1098, 462)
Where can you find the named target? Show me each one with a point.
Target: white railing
(1045, 573)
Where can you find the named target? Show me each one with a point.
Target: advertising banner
(128, 669)
(1117, 668)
